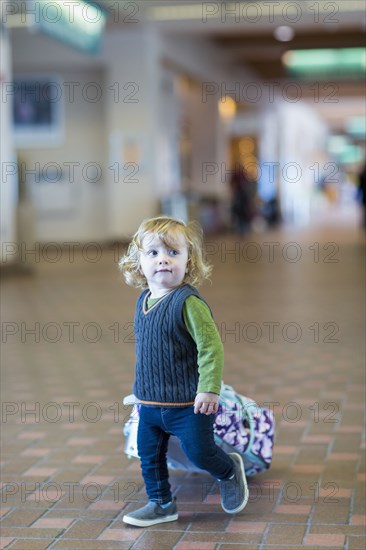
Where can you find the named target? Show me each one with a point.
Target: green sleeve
(202, 328)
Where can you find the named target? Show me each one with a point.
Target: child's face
(163, 266)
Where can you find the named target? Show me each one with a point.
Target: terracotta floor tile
(298, 425)
(301, 509)
(88, 459)
(114, 431)
(308, 468)
(40, 472)
(353, 406)
(335, 492)
(100, 480)
(48, 494)
(219, 537)
(74, 426)
(97, 393)
(6, 541)
(157, 539)
(121, 534)
(93, 545)
(285, 450)
(351, 429)
(107, 505)
(358, 520)
(31, 533)
(32, 435)
(318, 439)
(291, 533)
(343, 457)
(49, 523)
(356, 543)
(22, 517)
(195, 546)
(35, 452)
(246, 527)
(81, 441)
(86, 529)
(29, 544)
(331, 541)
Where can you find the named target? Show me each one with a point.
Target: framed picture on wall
(38, 111)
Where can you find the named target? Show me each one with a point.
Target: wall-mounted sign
(38, 111)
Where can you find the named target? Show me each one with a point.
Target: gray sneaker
(151, 514)
(234, 491)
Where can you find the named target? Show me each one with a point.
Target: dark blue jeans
(195, 433)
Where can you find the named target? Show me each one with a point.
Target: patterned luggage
(240, 425)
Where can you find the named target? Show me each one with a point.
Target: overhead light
(284, 33)
(337, 144)
(356, 126)
(227, 107)
(335, 62)
(342, 148)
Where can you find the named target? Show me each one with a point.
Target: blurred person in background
(242, 200)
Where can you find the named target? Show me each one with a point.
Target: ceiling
(244, 30)
(243, 34)
(262, 52)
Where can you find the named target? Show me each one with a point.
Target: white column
(133, 74)
(9, 175)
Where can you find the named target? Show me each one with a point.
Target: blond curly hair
(166, 228)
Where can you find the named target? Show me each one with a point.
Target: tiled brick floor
(294, 336)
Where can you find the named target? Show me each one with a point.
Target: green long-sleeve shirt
(200, 325)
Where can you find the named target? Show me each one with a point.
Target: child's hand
(206, 403)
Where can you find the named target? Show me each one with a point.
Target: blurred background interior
(243, 115)
(249, 117)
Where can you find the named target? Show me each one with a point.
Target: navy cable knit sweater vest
(166, 354)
